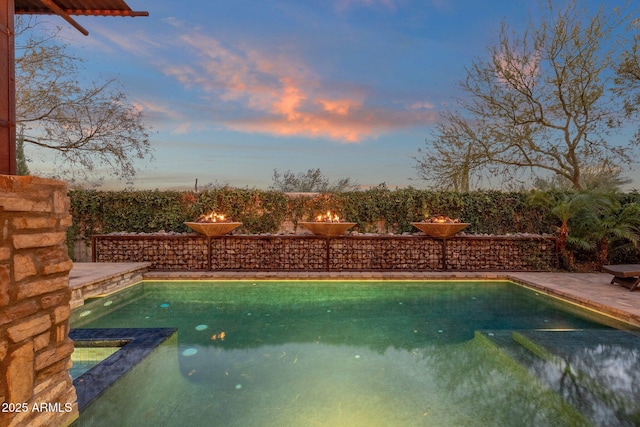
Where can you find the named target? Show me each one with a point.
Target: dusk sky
(235, 89)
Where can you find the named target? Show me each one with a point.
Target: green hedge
(490, 212)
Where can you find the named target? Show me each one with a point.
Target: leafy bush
(265, 211)
(373, 210)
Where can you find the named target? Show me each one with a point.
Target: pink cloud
(308, 126)
(282, 95)
(352, 128)
(290, 99)
(340, 107)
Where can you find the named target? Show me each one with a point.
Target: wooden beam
(7, 91)
(108, 12)
(86, 12)
(59, 11)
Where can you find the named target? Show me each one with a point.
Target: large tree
(628, 81)
(89, 129)
(540, 103)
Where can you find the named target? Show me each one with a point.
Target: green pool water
(366, 354)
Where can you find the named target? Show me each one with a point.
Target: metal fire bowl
(327, 229)
(440, 229)
(213, 229)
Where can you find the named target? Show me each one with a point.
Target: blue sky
(235, 89)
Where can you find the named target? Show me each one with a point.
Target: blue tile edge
(135, 344)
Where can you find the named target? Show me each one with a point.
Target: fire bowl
(440, 229)
(212, 229)
(327, 229)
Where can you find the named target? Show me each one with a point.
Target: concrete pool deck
(592, 290)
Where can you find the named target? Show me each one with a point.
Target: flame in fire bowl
(213, 229)
(440, 229)
(327, 229)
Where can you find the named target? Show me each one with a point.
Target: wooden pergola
(63, 8)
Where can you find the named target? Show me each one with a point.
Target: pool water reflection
(366, 354)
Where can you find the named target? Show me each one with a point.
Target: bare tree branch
(540, 102)
(311, 181)
(89, 127)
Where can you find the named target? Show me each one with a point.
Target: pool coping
(135, 344)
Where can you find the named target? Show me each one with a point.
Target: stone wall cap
(8, 182)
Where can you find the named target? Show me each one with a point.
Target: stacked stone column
(35, 349)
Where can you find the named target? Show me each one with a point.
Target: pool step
(93, 279)
(597, 371)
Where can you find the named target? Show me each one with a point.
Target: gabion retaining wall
(344, 253)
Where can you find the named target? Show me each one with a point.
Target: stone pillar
(35, 350)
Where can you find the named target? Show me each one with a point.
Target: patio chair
(627, 275)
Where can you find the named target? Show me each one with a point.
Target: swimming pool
(364, 353)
